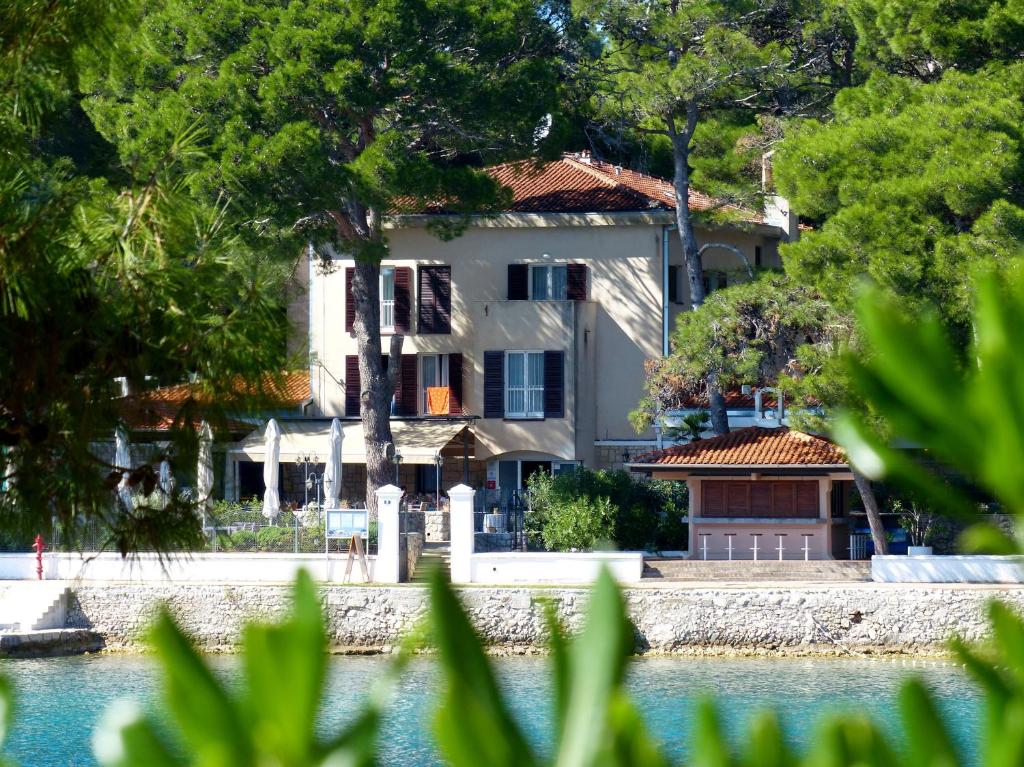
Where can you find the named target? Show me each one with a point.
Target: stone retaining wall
(798, 620)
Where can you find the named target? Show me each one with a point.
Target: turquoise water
(60, 699)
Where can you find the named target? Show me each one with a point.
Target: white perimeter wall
(195, 568)
(946, 569)
(554, 567)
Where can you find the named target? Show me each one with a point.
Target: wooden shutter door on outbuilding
(494, 384)
(554, 385)
(351, 385)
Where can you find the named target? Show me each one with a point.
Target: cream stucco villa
(525, 337)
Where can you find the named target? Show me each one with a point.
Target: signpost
(353, 524)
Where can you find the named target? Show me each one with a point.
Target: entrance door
(532, 467)
(508, 475)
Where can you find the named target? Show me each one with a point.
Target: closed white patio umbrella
(204, 470)
(332, 470)
(271, 470)
(123, 461)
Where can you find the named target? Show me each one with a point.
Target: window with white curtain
(548, 282)
(387, 298)
(524, 384)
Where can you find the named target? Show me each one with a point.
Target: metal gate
(499, 520)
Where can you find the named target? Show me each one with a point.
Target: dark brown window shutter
(435, 307)
(350, 304)
(455, 383)
(737, 499)
(518, 282)
(714, 499)
(403, 299)
(351, 385)
(760, 499)
(494, 384)
(783, 498)
(673, 284)
(407, 391)
(554, 385)
(576, 282)
(806, 499)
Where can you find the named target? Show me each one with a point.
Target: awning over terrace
(417, 441)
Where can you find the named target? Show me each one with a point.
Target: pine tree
(325, 118)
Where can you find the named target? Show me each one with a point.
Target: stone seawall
(797, 620)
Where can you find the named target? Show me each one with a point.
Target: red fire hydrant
(39, 546)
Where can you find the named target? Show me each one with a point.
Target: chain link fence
(233, 527)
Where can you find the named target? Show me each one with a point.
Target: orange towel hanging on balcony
(438, 399)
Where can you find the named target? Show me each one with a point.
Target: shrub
(275, 539)
(242, 540)
(589, 507)
(226, 513)
(582, 523)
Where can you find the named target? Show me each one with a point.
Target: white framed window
(433, 372)
(524, 384)
(387, 298)
(548, 282)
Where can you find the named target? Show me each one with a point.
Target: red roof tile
(576, 184)
(752, 446)
(158, 409)
(734, 400)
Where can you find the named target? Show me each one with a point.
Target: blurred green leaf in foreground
(962, 415)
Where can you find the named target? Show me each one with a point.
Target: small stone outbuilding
(761, 493)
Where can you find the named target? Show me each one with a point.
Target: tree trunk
(691, 251)
(867, 494)
(377, 383)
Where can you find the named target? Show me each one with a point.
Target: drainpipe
(665, 230)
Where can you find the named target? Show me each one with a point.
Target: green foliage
(690, 429)
(315, 113)
(925, 38)
(964, 413)
(275, 539)
(913, 185)
(108, 271)
(699, 85)
(241, 540)
(749, 333)
(585, 509)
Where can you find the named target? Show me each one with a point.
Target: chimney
(584, 156)
(777, 211)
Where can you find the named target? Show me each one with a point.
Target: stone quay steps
(34, 606)
(434, 556)
(762, 570)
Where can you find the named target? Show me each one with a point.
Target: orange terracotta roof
(752, 446)
(158, 409)
(577, 184)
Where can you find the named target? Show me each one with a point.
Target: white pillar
(462, 534)
(386, 569)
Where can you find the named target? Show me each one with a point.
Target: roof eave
(749, 466)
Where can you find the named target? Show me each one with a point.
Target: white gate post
(462, 534)
(386, 570)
